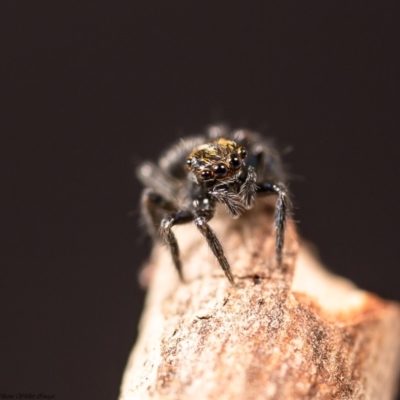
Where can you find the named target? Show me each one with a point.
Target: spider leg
(180, 217)
(152, 176)
(215, 245)
(153, 207)
(281, 212)
(230, 199)
(249, 188)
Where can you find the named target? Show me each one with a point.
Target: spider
(220, 166)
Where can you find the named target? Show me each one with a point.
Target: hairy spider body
(231, 168)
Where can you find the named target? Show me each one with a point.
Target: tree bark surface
(281, 333)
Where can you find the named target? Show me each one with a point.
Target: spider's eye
(206, 174)
(243, 153)
(236, 162)
(189, 162)
(220, 170)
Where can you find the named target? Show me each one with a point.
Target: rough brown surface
(294, 332)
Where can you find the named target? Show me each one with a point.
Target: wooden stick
(281, 333)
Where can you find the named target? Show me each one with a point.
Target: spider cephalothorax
(231, 168)
(216, 162)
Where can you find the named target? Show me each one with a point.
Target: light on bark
(281, 333)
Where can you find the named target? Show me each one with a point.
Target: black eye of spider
(206, 174)
(236, 162)
(220, 170)
(189, 162)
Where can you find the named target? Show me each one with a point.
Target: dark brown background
(87, 87)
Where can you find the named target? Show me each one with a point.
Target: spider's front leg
(281, 212)
(180, 217)
(154, 209)
(203, 215)
(215, 246)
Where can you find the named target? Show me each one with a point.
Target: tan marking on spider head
(220, 160)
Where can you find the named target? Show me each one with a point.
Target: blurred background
(90, 89)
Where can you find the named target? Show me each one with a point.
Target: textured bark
(293, 332)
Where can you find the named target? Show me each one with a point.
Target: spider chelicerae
(220, 166)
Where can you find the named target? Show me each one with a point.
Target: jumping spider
(231, 168)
